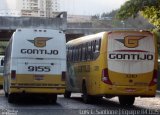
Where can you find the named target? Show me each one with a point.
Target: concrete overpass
(72, 30)
(9, 24)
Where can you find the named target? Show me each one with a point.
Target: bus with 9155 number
(35, 63)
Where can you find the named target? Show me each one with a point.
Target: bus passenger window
(89, 51)
(86, 51)
(97, 49)
(92, 45)
(83, 52)
(67, 53)
(97, 46)
(76, 53)
(80, 52)
(72, 53)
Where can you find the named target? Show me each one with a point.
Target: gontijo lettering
(39, 51)
(116, 56)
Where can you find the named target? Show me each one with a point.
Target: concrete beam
(12, 23)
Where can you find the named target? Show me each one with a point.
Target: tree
(149, 9)
(95, 17)
(3, 45)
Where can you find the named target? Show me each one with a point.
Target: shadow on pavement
(110, 105)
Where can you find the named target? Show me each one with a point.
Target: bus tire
(11, 98)
(6, 94)
(67, 94)
(1, 86)
(126, 100)
(86, 98)
(53, 98)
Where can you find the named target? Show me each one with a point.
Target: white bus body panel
(134, 65)
(25, 53)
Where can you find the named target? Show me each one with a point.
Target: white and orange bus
(116, 63)
(35, 63)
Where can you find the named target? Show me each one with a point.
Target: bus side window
(67, 53)
(97, 46)
(71, 54)
(86, 51)
(76, 53)
(89, 51)
(79, 52)
(83, 52)
(94, 46)
(92, 49)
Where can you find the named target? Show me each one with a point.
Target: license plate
(39, 77)
(130, 89)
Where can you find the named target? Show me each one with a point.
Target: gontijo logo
(131, 54)
(40, 41)
(131, 41)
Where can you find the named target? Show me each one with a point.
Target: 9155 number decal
(39, 68)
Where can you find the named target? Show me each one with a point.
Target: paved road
(75, 106)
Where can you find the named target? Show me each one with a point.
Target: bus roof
(85, 38)
(91, 37)
(37, 43)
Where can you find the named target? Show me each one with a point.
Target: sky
(90, 7)
(78, 7)
(7, 4)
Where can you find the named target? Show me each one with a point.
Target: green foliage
(95, 17)
(150, 9)
(108, 20)
(111, 14)
(3, 45)
(153, 14)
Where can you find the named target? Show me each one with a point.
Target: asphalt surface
(75, 106)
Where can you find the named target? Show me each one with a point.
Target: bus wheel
(86, 98)
(52, 98)
(11, 98)
(6, 94)
(67, 94)
(126, 100)
(1, 86)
